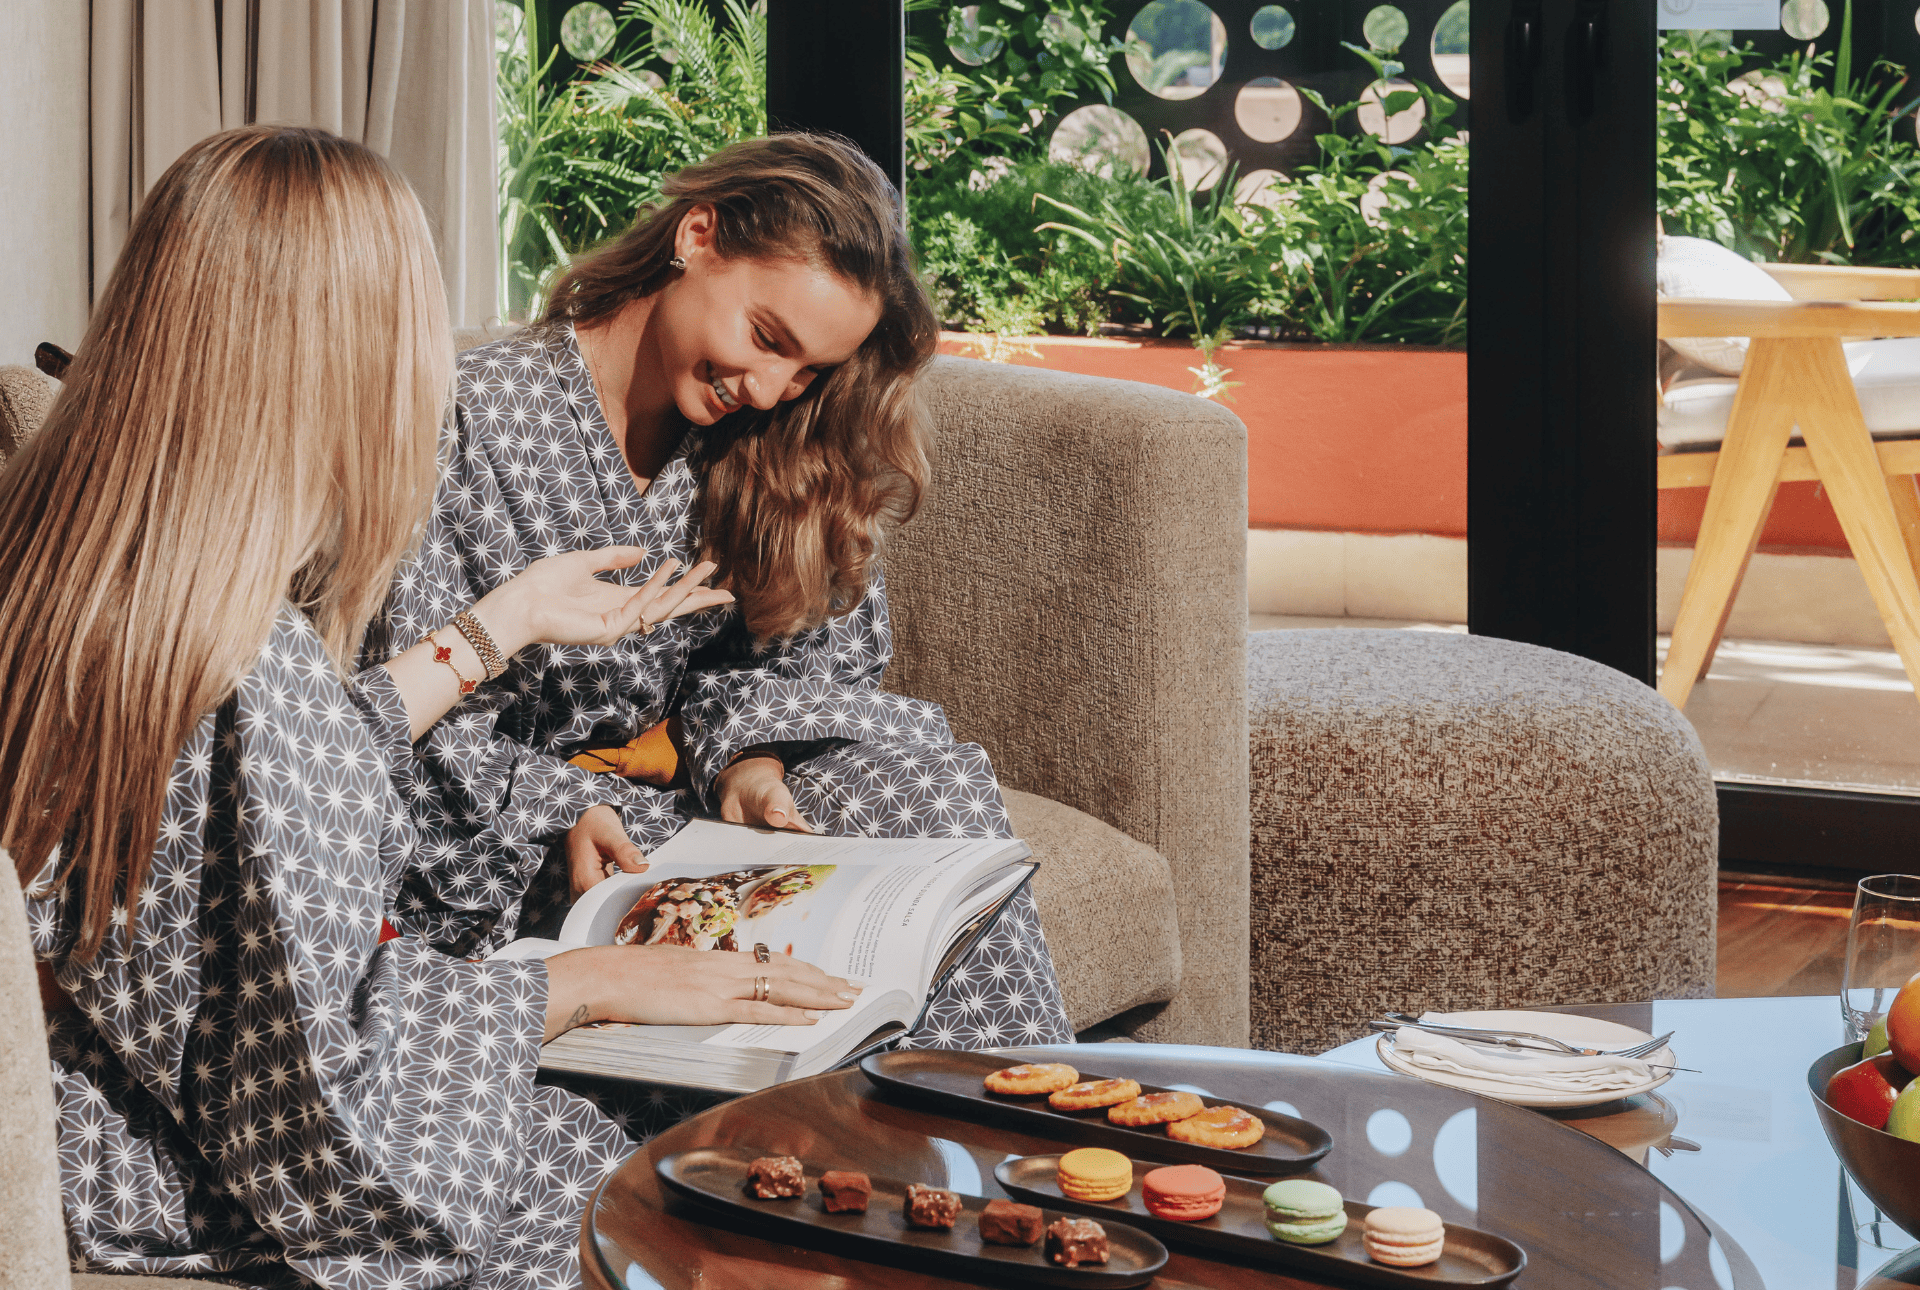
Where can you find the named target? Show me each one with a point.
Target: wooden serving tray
(1471, 1257)
(953, 1082)
(717, 1177)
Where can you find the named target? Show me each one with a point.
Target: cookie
(1219, 1126)
(1026, 1081)
(1095, 1093)
(1402, 1236)
(1301, 1211)
(1156, 1108)
(1183, 1193)
(1094, 1173)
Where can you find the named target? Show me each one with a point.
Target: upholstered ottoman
(1447, 821)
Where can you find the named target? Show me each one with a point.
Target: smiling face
(734, 333)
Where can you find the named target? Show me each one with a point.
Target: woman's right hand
(670, 985)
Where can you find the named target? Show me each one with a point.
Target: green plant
(1796, 161)
(1034, 54)
(580, 160)
(1373, 238)
(978, 246)
(1210, 379)
(1183, 261)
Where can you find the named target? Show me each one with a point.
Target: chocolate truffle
(931, 1206)
(844, 1192)
(1073, 1241)
(1004, 1223)
(776, 1178)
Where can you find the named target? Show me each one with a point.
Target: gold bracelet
(468, 624)
(444, 654)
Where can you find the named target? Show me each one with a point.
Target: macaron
(1183, 1193)
(1301, 1211)
(1401, 1236)
(1094, 1173)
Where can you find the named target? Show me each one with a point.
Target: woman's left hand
(754, 791)
(598, 840)
(559, 601)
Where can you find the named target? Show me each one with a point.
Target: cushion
(1886, 376)
(25, 397)
(1693, 266)
(1106, 906)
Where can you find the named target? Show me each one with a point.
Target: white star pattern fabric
(252, 1085)
(535, 472)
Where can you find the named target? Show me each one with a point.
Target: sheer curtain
(411, 79)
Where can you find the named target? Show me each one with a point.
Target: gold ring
(646, 628)
(761, 991)
(760, 954)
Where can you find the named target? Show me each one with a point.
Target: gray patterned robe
(535, 472)
(255, 1085)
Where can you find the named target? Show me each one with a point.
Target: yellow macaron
(1094, 1173)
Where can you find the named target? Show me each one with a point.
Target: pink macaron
(1404, 1237)
(1183, 1193)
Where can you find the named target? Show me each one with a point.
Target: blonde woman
(204, 806)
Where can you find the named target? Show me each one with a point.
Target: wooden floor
(1778, 940)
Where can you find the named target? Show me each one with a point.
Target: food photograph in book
(770, 905)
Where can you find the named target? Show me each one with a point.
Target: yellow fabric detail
(654, 757)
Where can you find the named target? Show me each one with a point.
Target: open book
(895, 913)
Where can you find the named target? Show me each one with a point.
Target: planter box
(1367, 438)
(1362, 439)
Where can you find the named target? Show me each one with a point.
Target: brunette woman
(730, 380)
(204, 807)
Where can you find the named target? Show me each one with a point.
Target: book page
(869, 908)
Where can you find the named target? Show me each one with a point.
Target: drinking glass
(1883, 948)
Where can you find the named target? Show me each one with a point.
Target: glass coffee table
(1716, 1181)
(1740, 1144)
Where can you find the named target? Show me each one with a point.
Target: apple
(1903, 1121)
(1903, 1026)
(1876, 1039)
(1869, 1092)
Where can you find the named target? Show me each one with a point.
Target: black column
(1561, 383)
(840, 66)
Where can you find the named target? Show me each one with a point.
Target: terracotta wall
(1369, 439)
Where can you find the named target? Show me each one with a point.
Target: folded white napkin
(1518, 1069)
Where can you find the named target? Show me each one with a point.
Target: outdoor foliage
(578, 161)
(1033, 56)
(1368, 245)
(1797, 161)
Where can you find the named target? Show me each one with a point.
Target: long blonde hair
(797, 499)
(251, 419)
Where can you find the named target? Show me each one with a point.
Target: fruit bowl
(1887, 1168)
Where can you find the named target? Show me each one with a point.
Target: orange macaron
(1183, 1193)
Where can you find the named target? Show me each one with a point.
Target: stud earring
(677, 262)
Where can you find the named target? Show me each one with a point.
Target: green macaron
(1304, 1212)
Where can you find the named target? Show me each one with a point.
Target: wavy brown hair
(252, 419)
(797, 498)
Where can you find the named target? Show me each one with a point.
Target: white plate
(1581, 1032)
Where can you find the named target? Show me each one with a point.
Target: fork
(1512, 1038)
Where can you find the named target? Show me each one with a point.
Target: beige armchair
(1797, 381)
